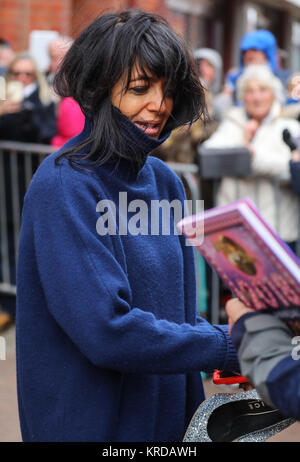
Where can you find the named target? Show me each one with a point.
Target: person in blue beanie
(256, 47)
(269, 354)
(109, 344)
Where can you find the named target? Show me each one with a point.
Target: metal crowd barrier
(18, 162)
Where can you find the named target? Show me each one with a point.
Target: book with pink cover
(249, 257)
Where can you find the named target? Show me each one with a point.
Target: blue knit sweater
(109, 347)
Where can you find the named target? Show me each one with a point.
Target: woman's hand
(250, 129)
(9, 107)
(235, 309)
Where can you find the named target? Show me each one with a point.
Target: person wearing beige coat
(258, 124)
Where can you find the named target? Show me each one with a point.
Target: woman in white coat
(258, 124)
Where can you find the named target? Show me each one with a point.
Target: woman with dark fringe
(109, 344)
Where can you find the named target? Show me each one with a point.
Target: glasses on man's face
(18, 73)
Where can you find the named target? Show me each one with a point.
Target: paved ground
(9, 422)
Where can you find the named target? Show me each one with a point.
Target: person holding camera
(28, 112)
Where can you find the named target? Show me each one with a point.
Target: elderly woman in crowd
(258, 125)
(28, 112)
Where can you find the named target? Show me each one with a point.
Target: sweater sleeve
(232, 363)
(88, 293)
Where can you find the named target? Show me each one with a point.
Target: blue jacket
(269, 355)
(109, 346)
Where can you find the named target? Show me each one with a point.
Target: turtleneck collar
(137, 144)
(140, 141)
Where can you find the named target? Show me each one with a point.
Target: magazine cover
(249, 257)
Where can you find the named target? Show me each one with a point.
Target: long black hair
(107, 50)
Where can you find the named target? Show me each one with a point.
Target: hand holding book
(235, 309)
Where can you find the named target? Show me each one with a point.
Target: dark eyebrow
(140, 77)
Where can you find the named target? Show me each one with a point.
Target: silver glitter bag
(240, 417)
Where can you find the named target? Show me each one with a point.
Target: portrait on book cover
(236, 254)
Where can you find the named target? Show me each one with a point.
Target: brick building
(211, 23)
(20, 17)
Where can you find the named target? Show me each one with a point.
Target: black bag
(219, 162)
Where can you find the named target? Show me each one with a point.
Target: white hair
(261, 74)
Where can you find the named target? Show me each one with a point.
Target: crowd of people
(250, 107)
(31, 111)
(108, 336)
